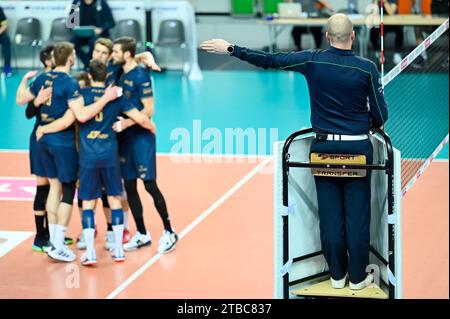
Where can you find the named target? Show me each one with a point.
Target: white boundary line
(16, 199)
(24, 178)
(441, 160)
(13, 151)
(425, 165)
(189, 228)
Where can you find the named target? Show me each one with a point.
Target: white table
(361, 22)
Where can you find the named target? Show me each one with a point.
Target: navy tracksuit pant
(344, 213)
(5, 43)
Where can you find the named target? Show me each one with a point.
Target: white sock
(118, 236)
(126, 220)
(52, 230)
(89, 234)
(60, 232)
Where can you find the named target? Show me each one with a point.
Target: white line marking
(17, 178)
(189, 228)
(13, 239)
(16, 199)
(13, 151)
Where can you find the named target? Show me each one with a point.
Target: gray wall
(244, 31)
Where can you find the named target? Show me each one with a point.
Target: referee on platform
(347, 99)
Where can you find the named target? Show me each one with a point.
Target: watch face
(230, 49)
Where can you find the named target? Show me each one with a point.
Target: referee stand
(300, 267)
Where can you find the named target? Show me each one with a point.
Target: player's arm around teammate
(84, 113)
(147, 111)
(23, 95)
(141, 119)
(78, 111)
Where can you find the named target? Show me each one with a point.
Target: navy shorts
(36, 165)
(94, 182)
(59, 162)
(138, 158)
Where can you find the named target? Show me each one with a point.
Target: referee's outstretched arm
(282, 61)
(350, 80)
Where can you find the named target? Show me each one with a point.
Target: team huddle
(93, 132)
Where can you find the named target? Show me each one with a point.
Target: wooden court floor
(224, 214)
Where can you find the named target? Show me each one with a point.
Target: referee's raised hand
(217, 46)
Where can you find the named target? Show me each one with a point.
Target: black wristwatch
(230, 49)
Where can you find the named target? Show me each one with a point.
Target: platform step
(324, 289)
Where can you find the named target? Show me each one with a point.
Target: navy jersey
(37, 111)
(136, 85)
(345, 90)
(37, 123)
(97, 139)
(37, 117)
(65, 89)
(114, 73)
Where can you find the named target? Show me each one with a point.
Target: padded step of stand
(324, 289)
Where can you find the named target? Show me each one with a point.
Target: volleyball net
(416, 91)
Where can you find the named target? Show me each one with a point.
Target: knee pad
(68, 193)
(41, 197)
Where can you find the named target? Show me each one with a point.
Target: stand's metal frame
(388, 167)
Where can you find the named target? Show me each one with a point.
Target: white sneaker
(339, 284)
(363, 284)
(397, 58)
(138, 241)
(167, 242)
(63, 254)
(81, 242)
(87, 260)
(109, 240)
(118, 255)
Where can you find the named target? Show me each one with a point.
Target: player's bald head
(339, 28)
